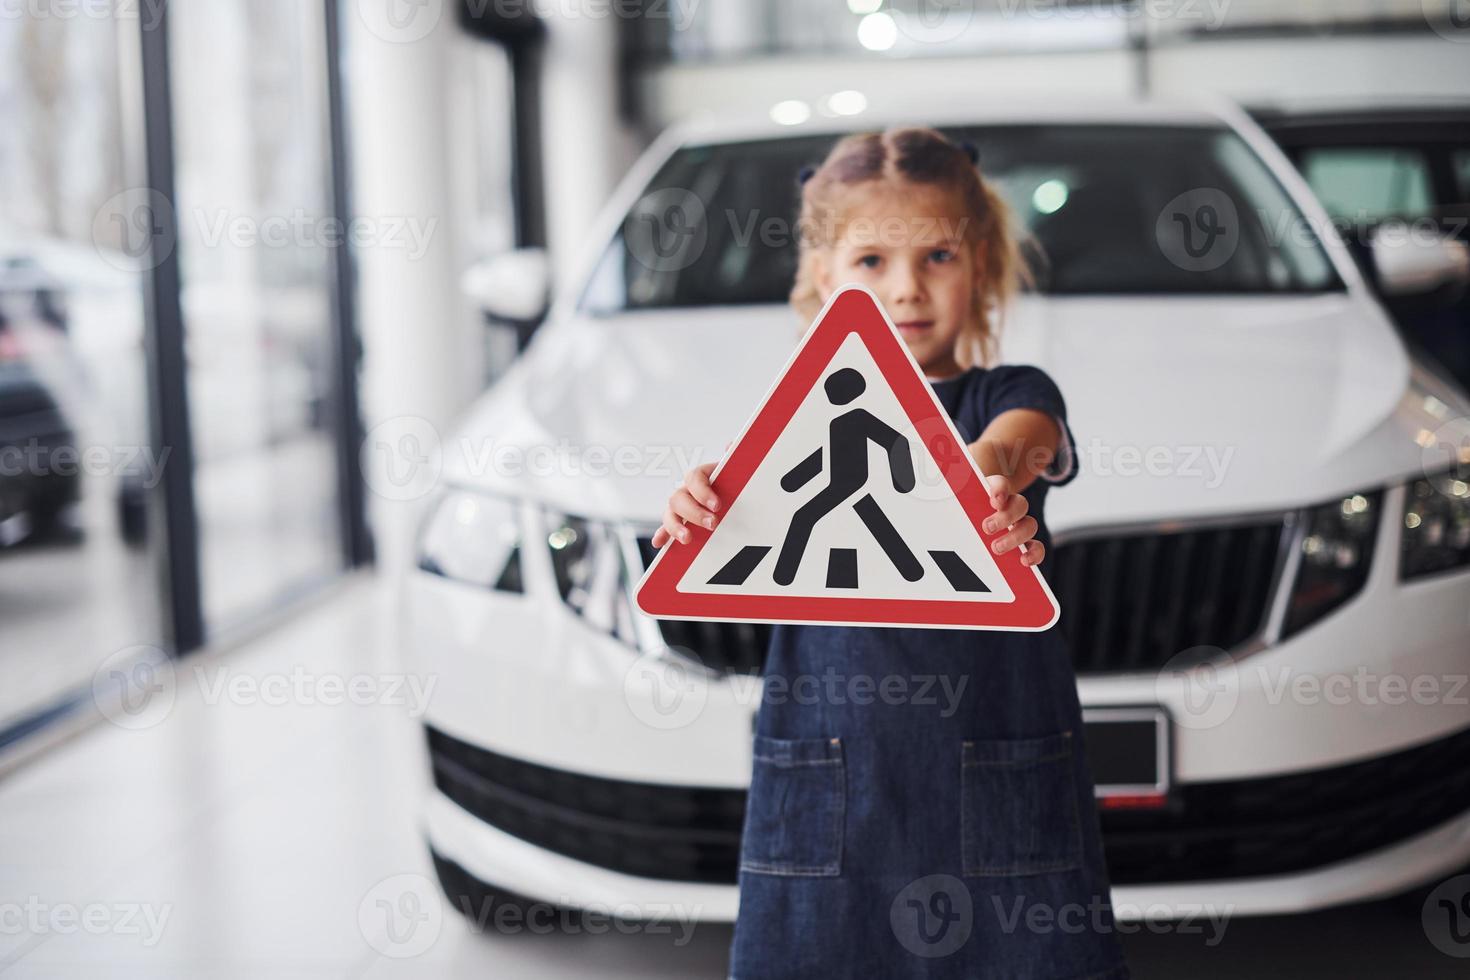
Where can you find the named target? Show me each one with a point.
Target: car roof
(725, 128)
(1395, 110)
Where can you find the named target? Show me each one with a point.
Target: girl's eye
(868, 261)
(941, 255)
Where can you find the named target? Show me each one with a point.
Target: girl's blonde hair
(919, 155)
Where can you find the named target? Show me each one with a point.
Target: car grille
(1130, 602)
(1281, 824)
(731, 647)
(1133, 601)
(1210, 831)
(683, 833)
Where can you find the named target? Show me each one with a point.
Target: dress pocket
(1018, 806)
(798, 801)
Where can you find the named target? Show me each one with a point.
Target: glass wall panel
(256, 240)
(78, 588)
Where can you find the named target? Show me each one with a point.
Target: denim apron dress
(920, 801)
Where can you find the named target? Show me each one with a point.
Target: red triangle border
(851, 309)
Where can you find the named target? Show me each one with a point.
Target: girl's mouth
(911, 328)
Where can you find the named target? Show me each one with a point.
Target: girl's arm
(1015, 448)
(1019, 443)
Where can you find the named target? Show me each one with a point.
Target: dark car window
(1106, 205)
(1365, 184)
(1460, 160)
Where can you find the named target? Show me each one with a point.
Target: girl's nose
(907, 285)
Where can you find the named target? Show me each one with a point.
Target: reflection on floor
(220, 836)
(267, 524)
(68, 602)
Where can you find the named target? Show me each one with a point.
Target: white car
(1263, 568)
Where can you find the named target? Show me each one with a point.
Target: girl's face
(906, 243)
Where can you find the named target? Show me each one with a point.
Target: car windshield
(1115, 209)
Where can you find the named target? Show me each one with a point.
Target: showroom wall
(1246, 68)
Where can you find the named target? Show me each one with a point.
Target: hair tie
(805, 173)
(971, 150)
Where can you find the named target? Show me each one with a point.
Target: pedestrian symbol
(846, 474)
(849, 498)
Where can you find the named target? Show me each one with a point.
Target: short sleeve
(1028, 386)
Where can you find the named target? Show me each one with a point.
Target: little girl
(926, 810)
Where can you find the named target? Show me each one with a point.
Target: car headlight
(1336, 554)
(473, 538)
(587, 559)
(1436, 534)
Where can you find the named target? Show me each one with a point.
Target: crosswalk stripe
(889, 539)
(961, 579)
(738, 569)
(842, 569)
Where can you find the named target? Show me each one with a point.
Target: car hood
(1180, 407)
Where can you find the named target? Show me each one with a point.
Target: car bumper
(1283, 803)
(498, 858)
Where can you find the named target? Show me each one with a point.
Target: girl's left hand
(1010, 511)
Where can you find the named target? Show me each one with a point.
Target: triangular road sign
(849, 498)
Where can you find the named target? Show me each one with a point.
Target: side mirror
(1411, 261)
(512, 289)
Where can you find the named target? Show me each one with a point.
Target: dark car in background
(32, 426)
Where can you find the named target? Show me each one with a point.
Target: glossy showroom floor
(245, 840)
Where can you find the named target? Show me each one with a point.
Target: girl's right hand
(693, 501)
